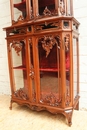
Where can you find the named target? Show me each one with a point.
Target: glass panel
(19, 69)
(67, 56)
(75, 66)
(46, 4)
(49, 65)
(32, 73)
(67, 63)
(68, 7)
(19, 9)
(20, 77)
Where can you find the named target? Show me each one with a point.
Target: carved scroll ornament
(21, 94)
(51, 99)
(48, 25)
(46, 11)
(47, 43)
(17, 45)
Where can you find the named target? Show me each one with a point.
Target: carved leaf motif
(22, 31)
(38, 28)
(57, 24)
(46, 12)
(47, 43)
(17, 45)
(20, 18)
(51, 99)
(21, 94)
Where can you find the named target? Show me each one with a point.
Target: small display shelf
(20, 67)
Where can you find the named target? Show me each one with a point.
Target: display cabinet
(43, 56)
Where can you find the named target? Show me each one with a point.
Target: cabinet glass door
(19, 72)
(49, 70)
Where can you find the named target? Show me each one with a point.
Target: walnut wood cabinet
(43, 56)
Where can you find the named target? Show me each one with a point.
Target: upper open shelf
(29, 9)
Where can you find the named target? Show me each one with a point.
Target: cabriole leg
(68, 114)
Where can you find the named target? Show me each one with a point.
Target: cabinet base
(54, 110)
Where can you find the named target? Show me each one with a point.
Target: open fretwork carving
(21, 94)
(20, 19)
(47, 12)
(51, 99)
(20, 30)
(48, 42)
(48, 25)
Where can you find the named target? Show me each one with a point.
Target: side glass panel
(67, 67)
(49, 70)
(68, 7)
(19, 69)
(19, 9)
(45, 6)
(75, 66)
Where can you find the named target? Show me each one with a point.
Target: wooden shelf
(20, 67)
(51, 69)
